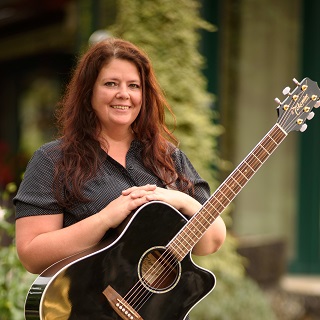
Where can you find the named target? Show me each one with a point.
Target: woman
(114, 154)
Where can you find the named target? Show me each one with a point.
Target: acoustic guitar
(146, 270)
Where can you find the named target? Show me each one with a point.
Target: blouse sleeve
(35, 195)
(201, 187)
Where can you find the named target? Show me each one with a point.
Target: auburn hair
(78, 124)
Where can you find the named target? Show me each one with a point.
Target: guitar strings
(159, 266)
(156, 266)
(173, 261)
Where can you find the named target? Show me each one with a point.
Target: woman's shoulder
(50, 149)
(42, 162)
(52, 145)
(176, 152)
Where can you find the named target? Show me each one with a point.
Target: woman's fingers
(135, 190)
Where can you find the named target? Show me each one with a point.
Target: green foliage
(167, 31)
(14, 279)
(235, 296)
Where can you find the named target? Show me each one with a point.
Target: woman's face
(117, 94)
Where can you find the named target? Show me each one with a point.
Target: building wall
(259, 57)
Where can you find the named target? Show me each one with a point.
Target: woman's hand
(179, 200)
(215, 235)
(130, 199)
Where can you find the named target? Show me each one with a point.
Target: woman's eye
(110, 84)
(135, 85)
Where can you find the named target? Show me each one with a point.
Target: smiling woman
(116, 100)
(115, 155)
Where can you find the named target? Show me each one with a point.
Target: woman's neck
(116, 135)
(116, 145)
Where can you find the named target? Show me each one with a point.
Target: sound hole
(158, 270)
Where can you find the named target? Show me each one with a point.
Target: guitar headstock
(297, 107)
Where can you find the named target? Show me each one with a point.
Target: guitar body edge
(76, 291)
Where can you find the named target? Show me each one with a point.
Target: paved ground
(296, 298)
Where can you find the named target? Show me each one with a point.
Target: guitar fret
(247, 162)
(227, 186)
(182, 239)
(234, 184)
(205, 219)
(225, 193)
(176, 252)
(238, 176)
(216, 198)
(198, 229)
(215, 205)
(242, 173)
(180, 247)
(271, 143)
(257, 158)
(261, 153)
(184, 242)
(273, 140)
(255, 163)
(246, 170)
(210, 217)
(266, 150)
(222, 197)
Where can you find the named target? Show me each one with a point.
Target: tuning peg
(277, 100)
(296, 81)
(304, 127)
(286, 91)
(310, 115)
(317, 104)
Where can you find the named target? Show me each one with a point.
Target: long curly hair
(78, 124)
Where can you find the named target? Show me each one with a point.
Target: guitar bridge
(120, 306)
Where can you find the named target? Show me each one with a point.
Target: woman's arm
(42, 240)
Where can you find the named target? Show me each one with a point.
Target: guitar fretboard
(191, 233)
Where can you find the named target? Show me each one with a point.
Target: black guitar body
(75, 291)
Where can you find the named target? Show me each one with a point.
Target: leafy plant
(14, 279)
(168, 31)
(235, 296)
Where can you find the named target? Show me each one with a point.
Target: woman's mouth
(121, 107)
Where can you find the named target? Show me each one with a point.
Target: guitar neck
(185, 240)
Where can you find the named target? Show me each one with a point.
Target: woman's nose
(122, 93)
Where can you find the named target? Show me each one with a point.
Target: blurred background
(221, 64)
